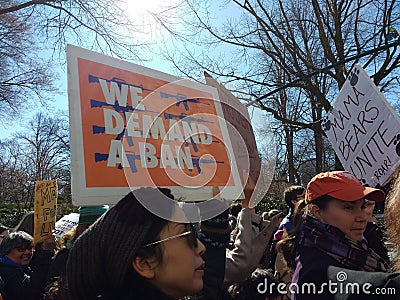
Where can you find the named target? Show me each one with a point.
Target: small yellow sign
(45, 207)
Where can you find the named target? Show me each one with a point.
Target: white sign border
(81, 195)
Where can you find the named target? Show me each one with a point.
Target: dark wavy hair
(16, 240)
(291, 193)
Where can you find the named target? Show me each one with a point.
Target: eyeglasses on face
(191, 234)
(23, 249)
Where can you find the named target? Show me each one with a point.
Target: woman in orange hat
(330, 233)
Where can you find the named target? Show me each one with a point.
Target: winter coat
(26, 282)
(249, 247)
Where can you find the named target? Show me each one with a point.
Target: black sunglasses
(191, 234)
(193, 237)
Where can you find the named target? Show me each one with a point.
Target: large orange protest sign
(45, 207)
(135, 127)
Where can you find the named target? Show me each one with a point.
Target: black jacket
(26, 283)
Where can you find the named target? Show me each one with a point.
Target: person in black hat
(131, 253)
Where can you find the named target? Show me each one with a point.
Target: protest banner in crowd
(364, 130)
(66, 223)
(45, 207)
(136, 127)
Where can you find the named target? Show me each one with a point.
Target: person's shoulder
(314, 264)
(61, 254)
(285, 220)
(310, 276)
(369, 285)
(286, 223)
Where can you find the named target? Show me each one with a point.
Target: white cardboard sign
(364, 130)
(66, 223)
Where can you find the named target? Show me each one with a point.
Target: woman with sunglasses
(131, 253)
(24, 278)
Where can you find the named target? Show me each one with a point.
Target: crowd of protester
(129, 252)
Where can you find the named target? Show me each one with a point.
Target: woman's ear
(144, 267)
(316, 211)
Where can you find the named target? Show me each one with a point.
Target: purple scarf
(332, 241)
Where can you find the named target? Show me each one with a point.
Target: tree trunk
(290, 153)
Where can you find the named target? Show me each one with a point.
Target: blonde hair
(392, 220)
(69, 237)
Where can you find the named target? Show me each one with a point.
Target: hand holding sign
(49, 242)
